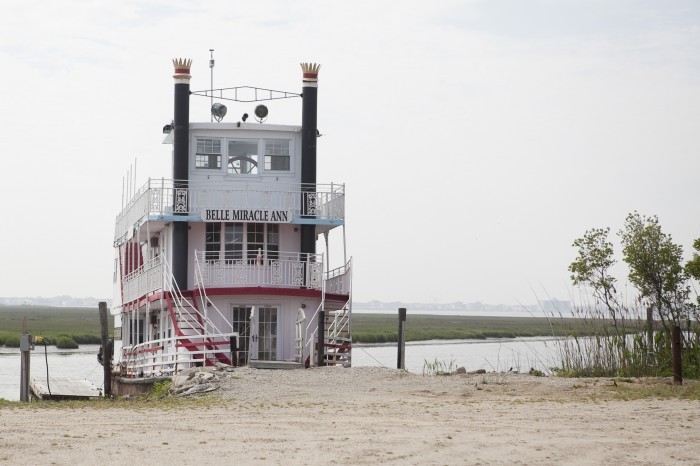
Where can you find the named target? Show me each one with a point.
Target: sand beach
(337, 415)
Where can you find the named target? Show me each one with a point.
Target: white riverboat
(218, 262)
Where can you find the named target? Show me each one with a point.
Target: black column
(181, 156)
(309, 131)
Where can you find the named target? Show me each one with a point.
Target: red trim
(182, 70)
(310, 75)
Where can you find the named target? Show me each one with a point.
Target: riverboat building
(217, 263)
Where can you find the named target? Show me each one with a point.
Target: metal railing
(287, 269)
(339, 280)
(167, 356)
(145, 279)
(164, 198)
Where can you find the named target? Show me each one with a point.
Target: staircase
(188, 322)
(337, 342)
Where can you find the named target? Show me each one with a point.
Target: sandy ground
(367, 416)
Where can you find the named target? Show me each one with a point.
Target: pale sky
(477, 139)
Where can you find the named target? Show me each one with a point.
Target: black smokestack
(181, 124)
(309, 131)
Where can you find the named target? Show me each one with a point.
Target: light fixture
(167, 129)
(261, 113)
(218, 111)
(244, 117)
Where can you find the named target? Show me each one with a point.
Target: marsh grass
(383, 328)
(620, 343)
(82, 325)
(438, 367)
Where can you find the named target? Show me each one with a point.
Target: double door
(257, 330)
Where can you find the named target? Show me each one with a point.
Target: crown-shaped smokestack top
(310, 72)
(182, 68)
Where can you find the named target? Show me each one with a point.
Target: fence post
(401, 360)
(676, 355)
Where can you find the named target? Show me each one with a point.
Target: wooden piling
(676, 355)
(401, 360)
(106, 350)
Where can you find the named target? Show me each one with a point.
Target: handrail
(182, 305)
(162, 356)
(203, 292)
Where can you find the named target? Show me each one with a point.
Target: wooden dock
(63, 389)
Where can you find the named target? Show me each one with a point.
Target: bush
(12, 341)
(88, 339)
(65, 342)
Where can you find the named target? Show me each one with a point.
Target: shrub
(12, 341)
(65, 342)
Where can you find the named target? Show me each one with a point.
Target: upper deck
(165, 201)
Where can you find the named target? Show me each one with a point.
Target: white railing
(145, 279)
(167, 356)
(288, 269)
(311, 332)
(186, 311)
(340, 280)
(164, 198)
(338, 330)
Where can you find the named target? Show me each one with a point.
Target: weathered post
(106, 350)
(25, 347)
(401, 361)
(321, 353)
(676, 355)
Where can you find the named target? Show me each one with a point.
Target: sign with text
(247, 215)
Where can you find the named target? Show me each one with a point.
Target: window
(242, 158)
(233, 241)
(277, 154)
(273, 241)
(212, 242)
(208, 154)
(253, 242)
(256, 242)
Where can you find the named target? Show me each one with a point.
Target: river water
(519, 354)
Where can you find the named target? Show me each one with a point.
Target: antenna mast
(211, 72)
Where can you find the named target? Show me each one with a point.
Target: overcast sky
(477, 139)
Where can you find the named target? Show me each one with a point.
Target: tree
(592, 267)
(692, 268)
(655, 267)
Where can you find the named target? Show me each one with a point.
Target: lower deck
(167, 333)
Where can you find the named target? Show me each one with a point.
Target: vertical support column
(321, 353)
(676, 355)
(309, 131)
(106, 350)
(401, 360)
(181, 154)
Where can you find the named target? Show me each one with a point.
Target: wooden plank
(261, 364)
(63, 389)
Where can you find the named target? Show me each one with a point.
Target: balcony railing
(288, 269)
(163, 198)
(145, 279)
